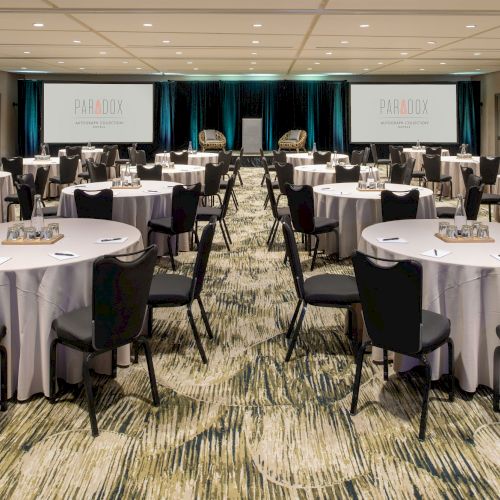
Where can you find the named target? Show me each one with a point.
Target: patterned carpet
(247, 425)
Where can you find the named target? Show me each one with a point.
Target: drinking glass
(475, 229)
(12, 233)
(20, 227)
(46, 233)
(466, 231)
(115, 182)
(362, 184)
(136, 181)
(30, 233)
(443, 228)
(451, 231)
(484, 231)
(380, 185)
(54, 227)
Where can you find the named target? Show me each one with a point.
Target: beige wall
(8, 114)
(490, 86)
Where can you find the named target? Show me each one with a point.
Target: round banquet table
(199, 158)
(314, 175)
(418, 154)
(30, 165)
(182, 174)
(132, 206)
(463, 286)
(92, 154)
(450, 165)
(37, 288)
(6, 188)
(355, 210)
(297, 159)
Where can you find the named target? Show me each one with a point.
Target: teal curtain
(468, 100)
(204, 108)
(166, 105)
(339, 116)
(230, 111)
(269, 102)
(29, 117)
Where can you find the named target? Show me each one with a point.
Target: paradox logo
(98, 107)
(404, 107)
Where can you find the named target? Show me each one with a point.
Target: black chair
(224, 183)
(74, 151)
(68, 166)
(496, 375)
(140, 157)
(301, 204)
(488, 170)
(232, 168)
(473, 194)
(347, 174)
(4, 360)
(184, 203)
(41, 178)
(181, 158)
(97, 173)
(267, 171)
(153, 173)
(419, 174)
(96, 205)
(14, 166)
(175, 290)
(409, 170)
(379, 161)
(429, 150)
(120, 293)
(432, 168)
(399, 206)
(322, 158)
(466, 172)
(284, 173)
(357, 157)
(213, 176)
(112, 155)
(391, 297)
(278, 212)
(397, 173)
(26, 195)
(84, 175)
(279, 156)
(225, 158)
(205, 214)
(395, 154)
(270, 168)
(322, 290)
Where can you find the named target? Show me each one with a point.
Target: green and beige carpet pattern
(247, 425)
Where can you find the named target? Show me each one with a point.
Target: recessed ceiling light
(253, 62)
(366, 69)
(254, 53)
(138, 68)
(380, 63)
(24, 67)
(38, 25)
(442, 63)
(316, 62)
(26, 52)
(189, 62)
(195, 69)
(477, 69)
(255, 41)
(328, 53)
(471, 26)
(147, 25)
(103, 53)
(125, 62)
(364, 25)
(251, 69)
(179, 53)
(309, 69)
(430, 42)
(60, 62)
(404, 53)
(77, 41)
(166, 41)
(257, 25)
(344, 42)
(477, 53)
(82, 68)
(422, 69)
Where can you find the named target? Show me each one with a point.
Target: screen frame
(405, 83)
(42, 115)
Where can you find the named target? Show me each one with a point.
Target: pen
(390, 239)
(65, 254)
(435, 252)
(110, 239)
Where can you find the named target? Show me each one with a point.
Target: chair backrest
(347, 174)
(409, 167)
(466, 172)
(374, 151)
(184, 204)
(181, 158)
(103, 160)
(293, 256)
(284, 172)
(391, 296)
(225, 158)
(265, 166)
(357, 157)
(279, 155)
(120, 292)
(153, 173)
(430, 150)
(68, 166)
(94, 205)
(140, 157)
(112, 154)
(432, 167)
(474, 194)
(74, 151)
(395, 153)
(213, 175)
(27, 179)
(397, 173)
(98, 173)
(41, 178)
(366, 155)
(227, 195)
(301, 204)
(322, 158)
(488, 169)
(237, 165)
(25, 196)
(272, 198)
(399, 206)
(202, 255)
(14, 166)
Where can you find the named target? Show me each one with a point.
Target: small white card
(436, 253)
(112, 240)
(393, 239)
(64, 255)
(495, 256)
(4, 259)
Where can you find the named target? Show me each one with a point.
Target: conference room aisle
(248, 425)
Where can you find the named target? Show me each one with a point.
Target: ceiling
(284, 38)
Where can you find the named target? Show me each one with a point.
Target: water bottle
(44, 151)
(418, 144)
(314, 148)
(37, 220)
(190, 147)
(335, 158)
(460, 216)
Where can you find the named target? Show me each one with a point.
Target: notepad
(4, 259)
(64, 255)
(111, 240)
(392, 239)
(436, 253)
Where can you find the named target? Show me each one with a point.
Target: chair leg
(239, 177)
(90, 395)
(451, 190)
(227, 231)
(295, 334)
(294, 318)
(266, 201)
(3, 374)
(440, 191)
(496, 379)
(224, 236)
(273, 237)
(205, 319)
(315, 252)
(262, 181)
(151, 370)
(357, 379)
(451, 376)
(235, 200)
(196, 336)
(114, 362)
(271, 232)
(386, 366)
(489, 211)
(52, 371)
(169, 244)
(425, 402)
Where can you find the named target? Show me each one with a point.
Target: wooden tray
(33, 242)
(464, 240)
(370, 190)
(127, 187)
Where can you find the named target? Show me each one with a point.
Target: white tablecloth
(418, 155)
(6, 188)
(30, 165)
(450, 165)
(182, 174)
(93, 154)
(314, 175)
(463, 285)
(36, 288)
(297, 159)
(355, 210)
(199, 158)
(132, 206)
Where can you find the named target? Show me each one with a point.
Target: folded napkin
(112, 240)
(64, 255)
(4, 259)
(392, 239)
(436, 253)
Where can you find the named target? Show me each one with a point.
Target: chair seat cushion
(205, 213)
(324, 225)
(169, 289)
(445, 178)
(283, 211)
(75, 327)
(490, 199)
(161, 225)
(50, 211)
(498, 331)
(331, 289)
(418, 175)
(12, 198)
(435, 330)
(445, 212)
(84, 175)
(55, 180)
(384, 161)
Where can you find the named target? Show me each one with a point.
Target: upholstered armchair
(211, 139)
(293, 139)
